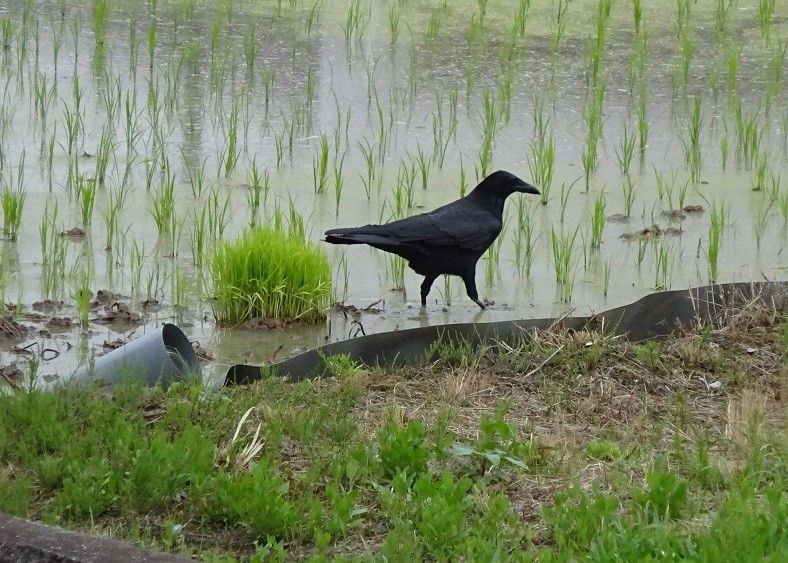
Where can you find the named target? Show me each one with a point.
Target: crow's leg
(429, 279)
(470, 288)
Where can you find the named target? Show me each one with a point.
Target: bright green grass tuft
(270, 274)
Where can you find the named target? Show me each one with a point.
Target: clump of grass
(271, 274)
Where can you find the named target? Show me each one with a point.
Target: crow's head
(503, 184)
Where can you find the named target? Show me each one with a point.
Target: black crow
(450, 239)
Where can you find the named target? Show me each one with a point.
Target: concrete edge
(26, 541)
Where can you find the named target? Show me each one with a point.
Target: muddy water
(409, 82)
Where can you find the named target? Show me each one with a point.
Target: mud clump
(59, 323)
(48, 306)
(120, 313)
(10, 374)
(652, 232)
(10, 328)
(74, 232)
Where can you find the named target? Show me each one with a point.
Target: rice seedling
(687, 51)
(72, 123)
(642, 118)
(86, 196)
(163, 211)
(320, 166)
(541, 158)
(196, 176)
(774, 187)
(683, 14)
(716, 226)
(463, 183)
(434, 26)
(46, 229)
(233, 151)
(606, 269)
(566, 190)
(776, 66)
(521, 16)
(628, 189)
(152, 40)
(53, 263)
(369, 177)
(82, 280)
(268, 274)
(394, 19)
(642, 247)
(722, 16)
(404, 189)
(692, 146)
(748, 136)
(259, 184)
(199, 237)
(423, 162)
(100, 14)
(563, 246)
(153, 282)
(279, 145)
(524, 241)
(268, 76)
(724, 151)
(395, 268)
(7, 32)
(179, 286)
(136, 262)
(638, 64)
(338, 183)
(598, 221)
(4, 275)
(765, 12)
(250, 49)
(592, 115)
(761, 221)
(111, 219)
(559, 34)
(637, 14)
(13, 203)
(597, 42)
(732, 69)
(217, 209)
(313, 17)
(354, 23)
(493, 255)
(759, 177)
(589, 158)
(626, 152)
(661, 266)
(782, 201)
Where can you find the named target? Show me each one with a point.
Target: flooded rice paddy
(135, 135)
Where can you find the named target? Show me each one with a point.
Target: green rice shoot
(269, 274)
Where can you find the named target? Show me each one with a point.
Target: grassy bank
(566, 446)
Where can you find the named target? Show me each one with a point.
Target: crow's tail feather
(368, 234)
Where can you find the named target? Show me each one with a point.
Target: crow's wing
(458, 224)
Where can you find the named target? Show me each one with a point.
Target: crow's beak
(527, 188)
